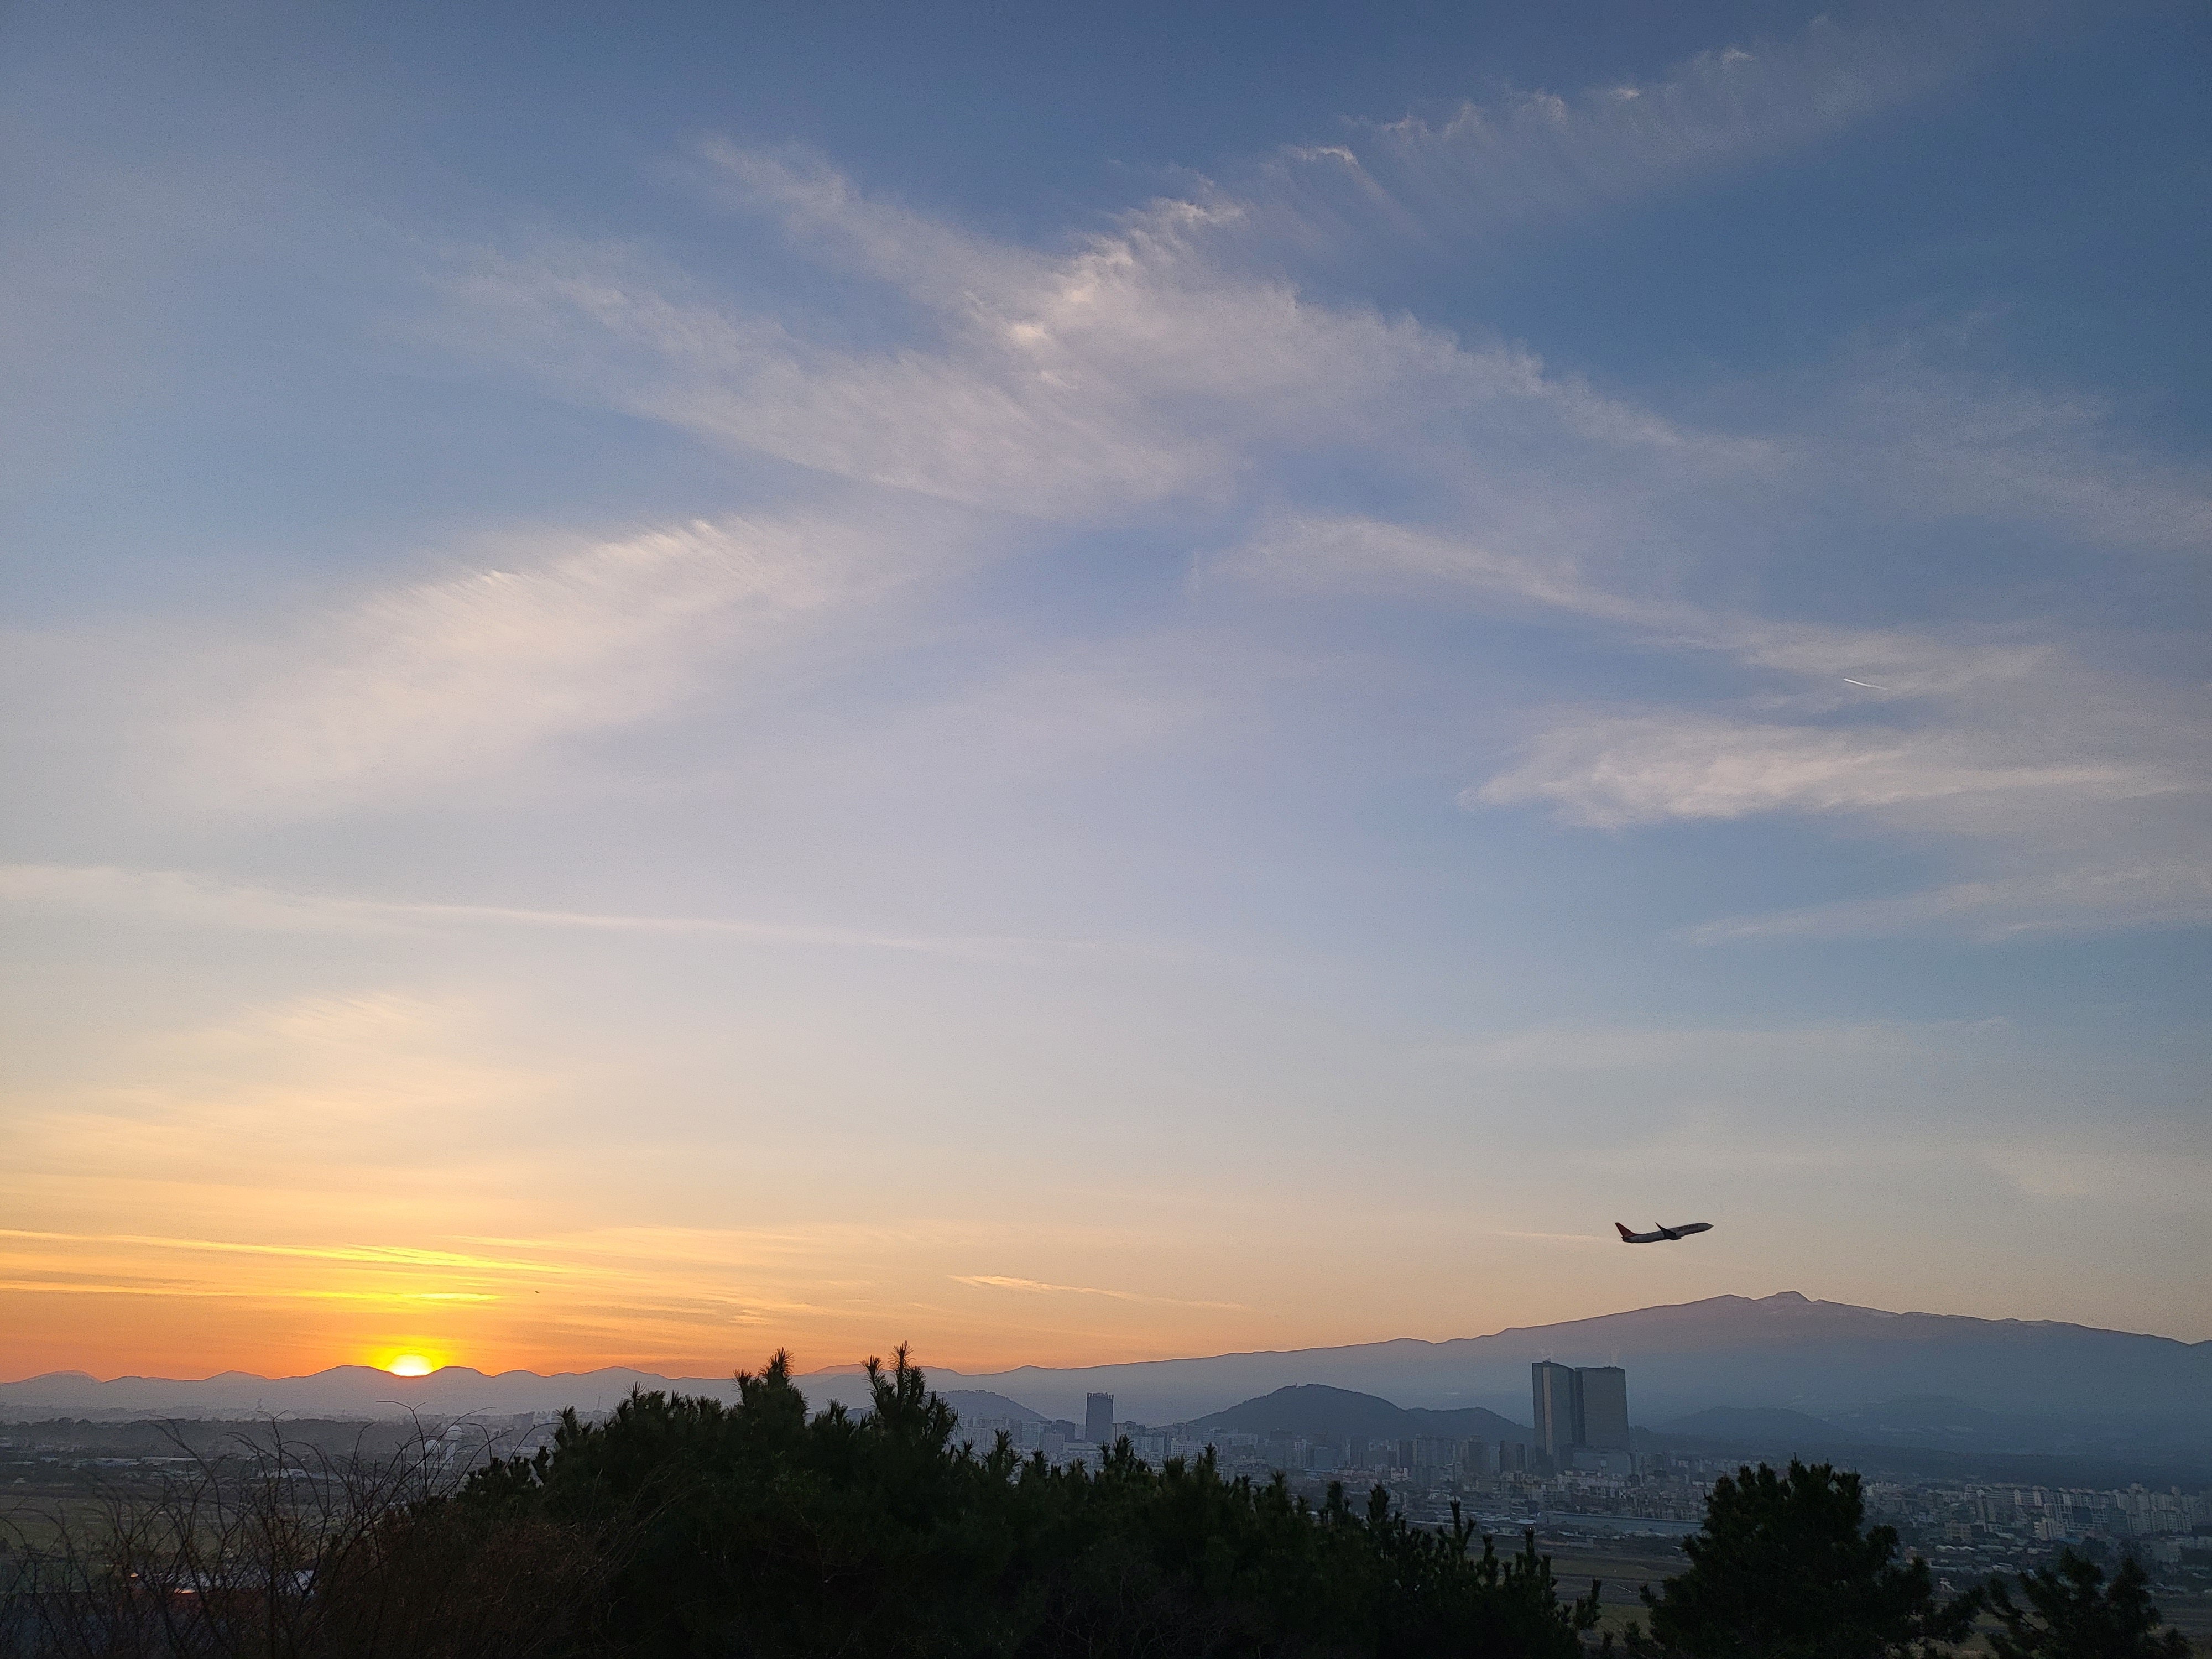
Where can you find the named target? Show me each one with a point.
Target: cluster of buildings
(2046, 1513)
(1426, 1457)
(1576, 1475)
(1968, 1531)
(1581, 1418)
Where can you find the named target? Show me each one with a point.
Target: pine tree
(2071, 1614)
(1782, 1570)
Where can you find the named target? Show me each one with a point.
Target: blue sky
(1079, 687)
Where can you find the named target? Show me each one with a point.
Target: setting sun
(410, 1364)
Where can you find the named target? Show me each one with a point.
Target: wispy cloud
(1065, 389)
(1610, 772)
(1907, 427)
(1169, 362)
(2076, 795)
(1584, 1049)
(2082, 782)
(2071, 897)
(184, 898)
(392, 1256)
(2168, 1179)
(1146, 363)
(377, 695)
(998, 1282)
(85, 1285)
(1337, 552)
(1539, 155)
(423, 684)
(1137, 366)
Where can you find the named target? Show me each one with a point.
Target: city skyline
(1092, 690)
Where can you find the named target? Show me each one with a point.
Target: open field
(1621, 1568)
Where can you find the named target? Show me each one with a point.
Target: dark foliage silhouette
(1782, 1570)
(754, 1530)
(686, 1527)
(2072, 1614)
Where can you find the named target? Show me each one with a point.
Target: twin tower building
(1579, 1406)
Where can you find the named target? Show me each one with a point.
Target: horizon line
(855, 1367)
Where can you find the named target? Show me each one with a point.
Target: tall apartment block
(1559, 1408)
(1583, 1406)
(1099, 1418)
(1604, 1390)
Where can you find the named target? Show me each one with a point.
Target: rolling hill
(1319, 1411)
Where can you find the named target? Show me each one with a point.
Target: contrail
(1847, 680)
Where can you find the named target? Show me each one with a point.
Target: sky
(1081, 684)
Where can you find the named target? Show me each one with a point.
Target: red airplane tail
(1622, 1231)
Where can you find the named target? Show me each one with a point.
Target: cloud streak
(2175, 893)
(1135, 369)
(424, 685)
(1539, 155)
(998, 1282)
(371, 1255)
(1697, 1050)
(178, 898)
(1610, 773)
(2083, 784)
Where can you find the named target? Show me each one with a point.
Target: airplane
(1663, 1233)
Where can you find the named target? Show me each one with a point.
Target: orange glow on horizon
(293, 1285)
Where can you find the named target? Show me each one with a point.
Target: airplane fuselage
(1661, 1233)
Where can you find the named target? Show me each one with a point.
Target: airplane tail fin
(1622, 1231)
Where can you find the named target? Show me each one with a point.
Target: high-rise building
(1099, 1418)
(1587, 1406)
(1559, 1408)
(1604, 1394)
